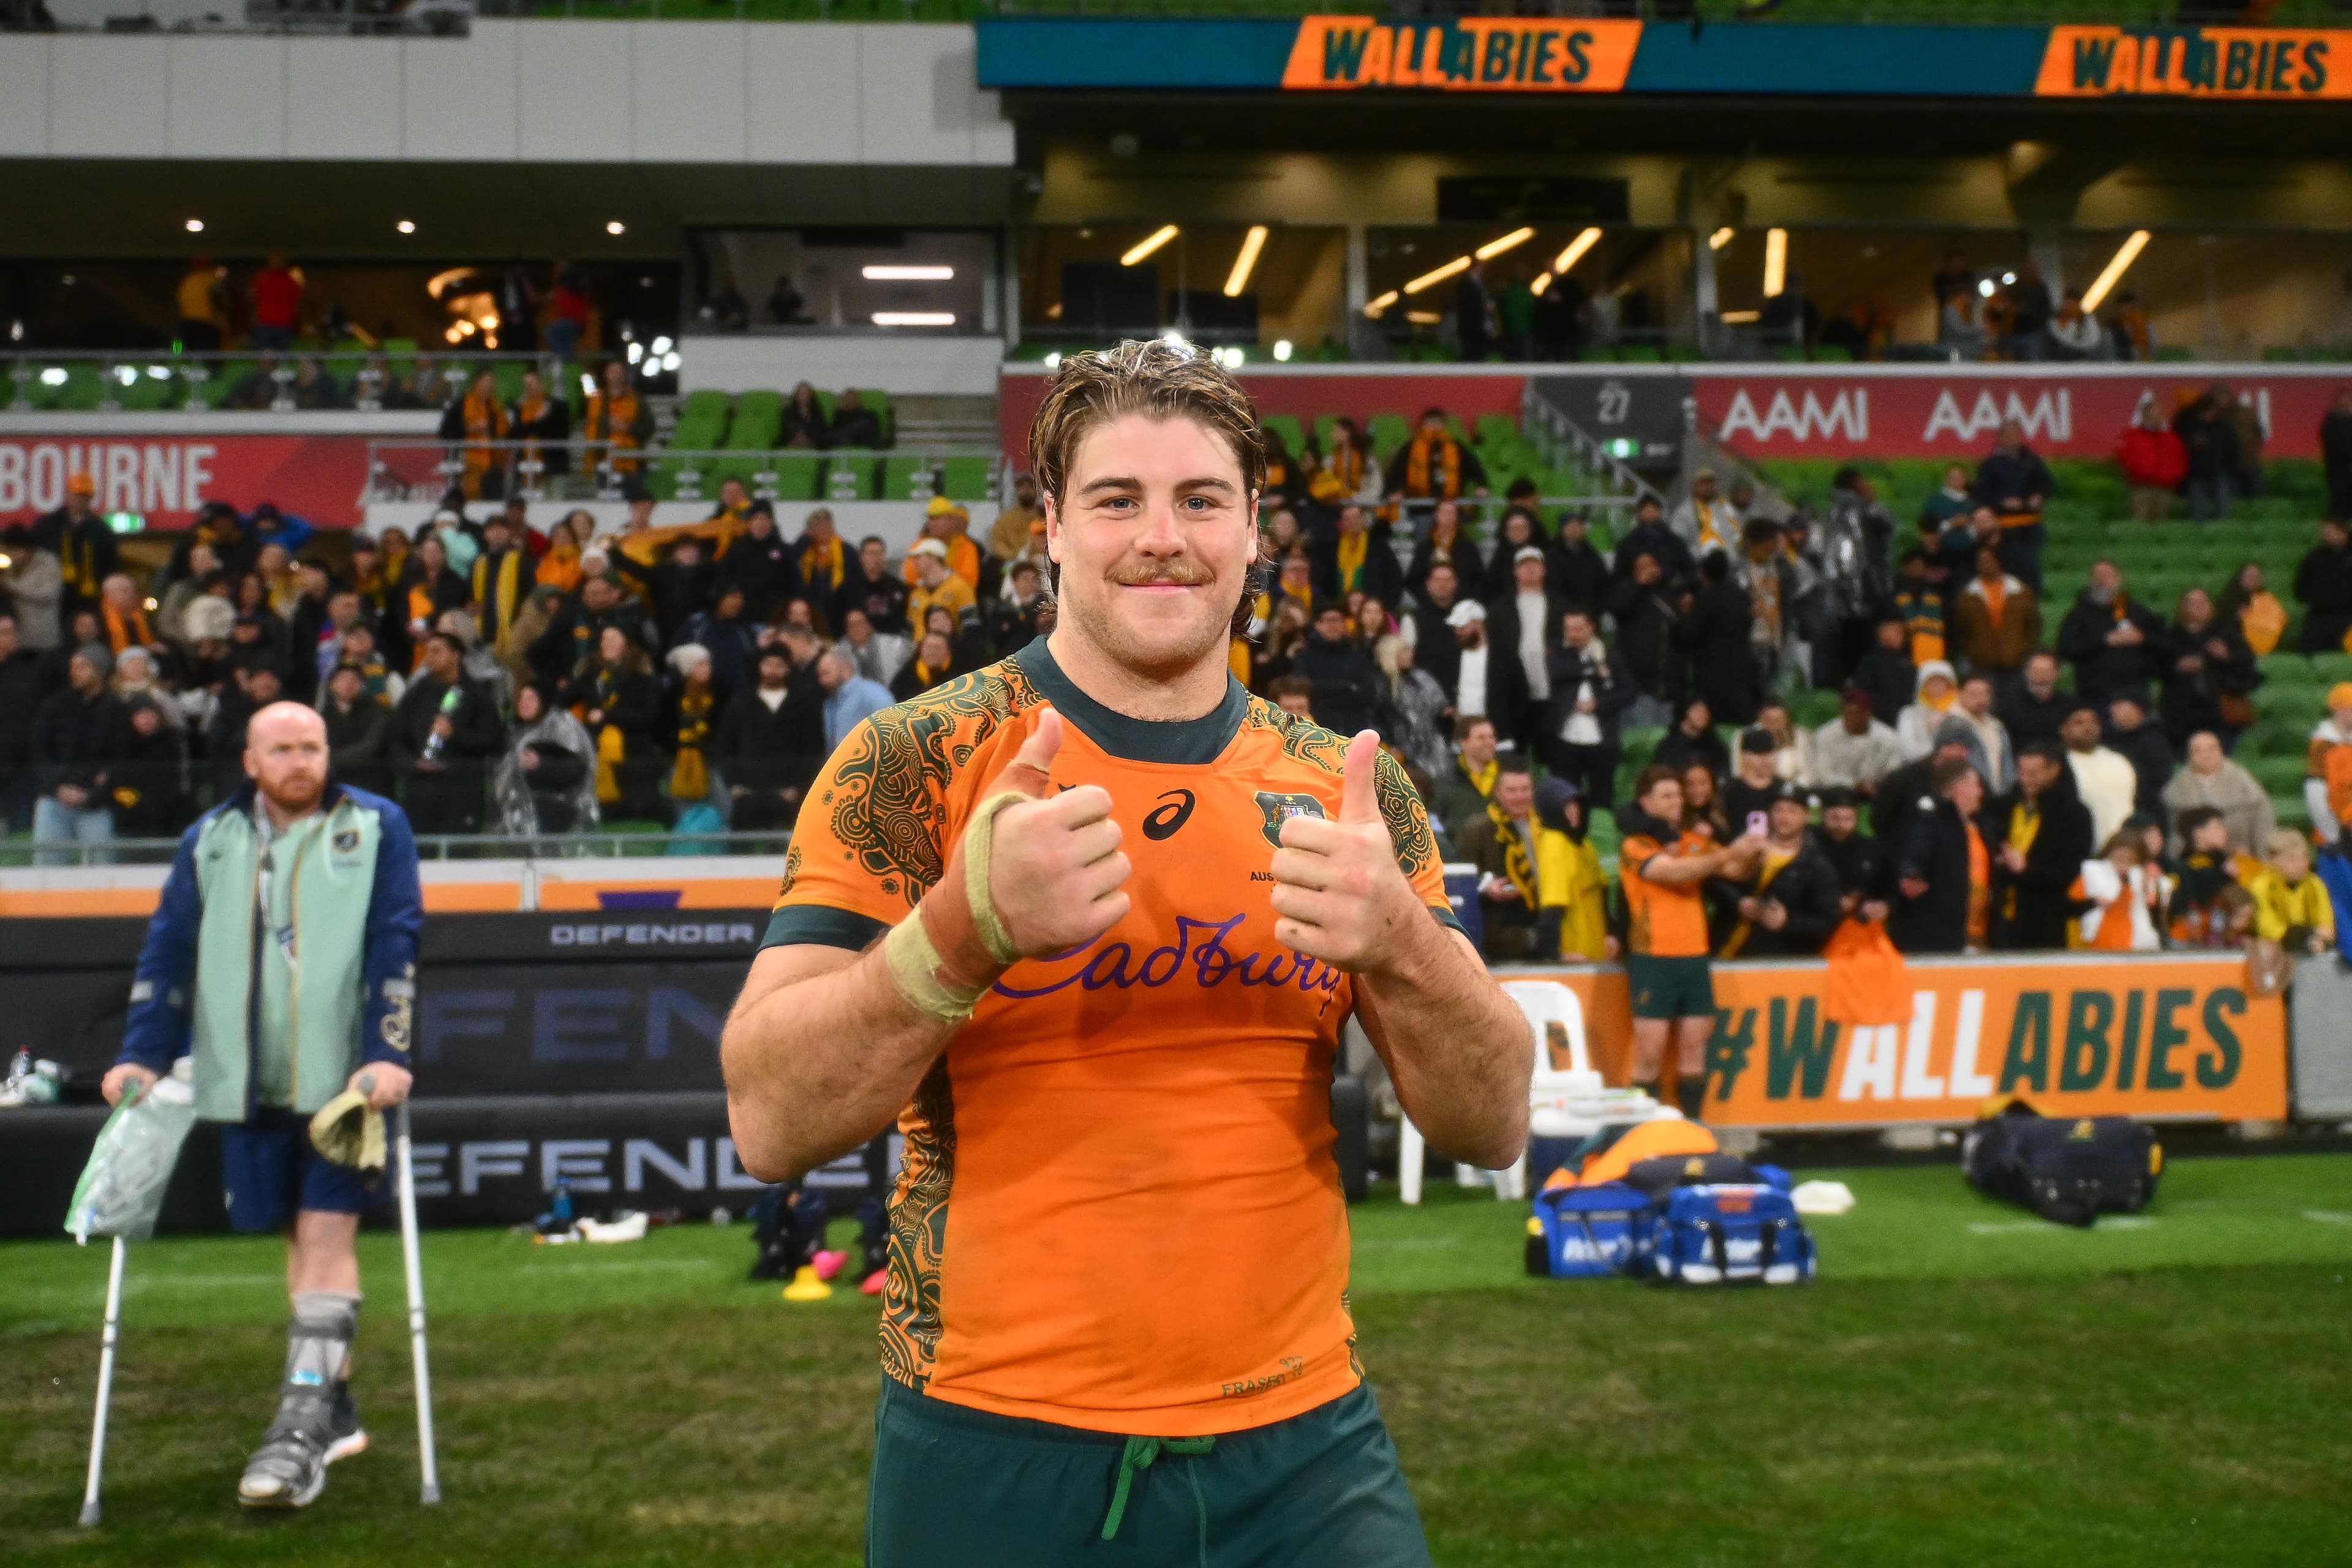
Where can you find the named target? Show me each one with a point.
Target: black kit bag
(2068, 1170)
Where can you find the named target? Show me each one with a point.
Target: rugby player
(1086, 923)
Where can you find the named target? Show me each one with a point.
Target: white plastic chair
(1556, 1030)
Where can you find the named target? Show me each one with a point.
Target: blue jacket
(357, 908)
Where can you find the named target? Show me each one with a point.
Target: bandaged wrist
(945, 955)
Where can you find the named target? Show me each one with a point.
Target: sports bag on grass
(2068, 1170)
(1727, 1234)
(1588, 1232)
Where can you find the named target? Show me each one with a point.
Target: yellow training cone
(806, 1286)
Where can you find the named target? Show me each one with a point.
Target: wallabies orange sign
(2193, 62)
(1468, 54)
(2171, 1038)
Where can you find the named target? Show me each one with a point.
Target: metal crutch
(89, 1509)
(431, 1490)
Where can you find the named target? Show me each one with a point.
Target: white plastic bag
(122, 1189)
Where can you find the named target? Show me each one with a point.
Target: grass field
(1965, 1385)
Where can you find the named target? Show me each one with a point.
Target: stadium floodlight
(1540, 284)
(616, 229)
(1282, 350)
(1383, 303)
(1054, 360)
(195, 225)
(637, 353)
(1493, 248)
(907, 274)
(1720, 238)
(1575, 249)
(54, 376)
(1741, 317)
(1438, 275)
(405, 225)
(1984, 288)
(914, 318)
(661, 345)
(1148, 243)
(1251, 242)
(1776, 261)
(2120, 263)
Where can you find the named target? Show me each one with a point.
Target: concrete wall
(530, 93)
(920, 364)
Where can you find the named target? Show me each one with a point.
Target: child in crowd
(2291, 904)
(2121, 888)
(2198, 917)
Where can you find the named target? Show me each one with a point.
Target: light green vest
(327, 881)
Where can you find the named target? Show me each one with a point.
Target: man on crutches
(282, 960)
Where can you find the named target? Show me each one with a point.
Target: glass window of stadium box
(70, 327)
(845, 279)
(1269, 290)
(1863, 293)
(1558, 291)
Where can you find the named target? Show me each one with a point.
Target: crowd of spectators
(532, 673)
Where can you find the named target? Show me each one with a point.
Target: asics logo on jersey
(1166, 819)
(1199, 948)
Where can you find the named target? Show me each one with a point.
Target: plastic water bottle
(436, 744)
(562, 1207)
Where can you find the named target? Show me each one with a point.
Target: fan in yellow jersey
(1087, 923)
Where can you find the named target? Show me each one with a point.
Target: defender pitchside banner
(2169, 1037)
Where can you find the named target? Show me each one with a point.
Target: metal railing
(410, 469)
(19, 853)
(359, 379)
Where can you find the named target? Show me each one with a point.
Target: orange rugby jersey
(1663, 920)
(1119, 1209)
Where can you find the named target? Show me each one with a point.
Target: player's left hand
(1339, 894)
(390, 1085)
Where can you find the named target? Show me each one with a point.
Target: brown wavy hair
(1158, 380)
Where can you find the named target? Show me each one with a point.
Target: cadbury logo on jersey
(1199, 951)
(1281, 808)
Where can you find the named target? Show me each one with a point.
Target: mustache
(1178, 573)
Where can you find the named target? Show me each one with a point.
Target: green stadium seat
(800, 475)
(1387, 433)
(2286, 667)
(2279, 775)
(1816, 708)
(1286, 429)
(758, 420)
(2331, 668)
(877, 403)
(2299, 707)
(965, 479)
(907, 478)
(849, 477)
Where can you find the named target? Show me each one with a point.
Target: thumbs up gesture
(1339, 895)
(1055, 873)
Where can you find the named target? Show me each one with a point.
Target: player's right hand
(122, 1076)
(1055, 869)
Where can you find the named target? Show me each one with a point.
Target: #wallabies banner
(2176, 1038)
